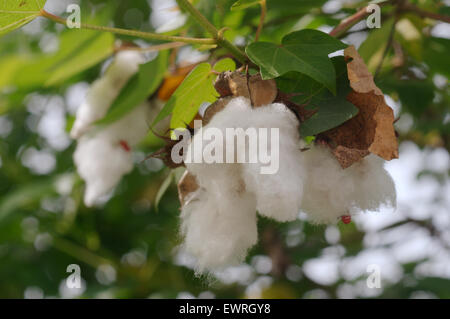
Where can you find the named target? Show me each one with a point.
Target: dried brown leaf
(372, 130)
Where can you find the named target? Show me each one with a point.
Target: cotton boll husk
(278, 195)
(101, 165)
(105, 90)
(331, 192)
(219, 227)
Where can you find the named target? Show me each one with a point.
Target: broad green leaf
(16, 13)
(304, 51)
(243, 4)
(197, 88)
(139, 88)
(9, 66)
(332, 110)
(79, 50)
(92, 48)
(226, 64)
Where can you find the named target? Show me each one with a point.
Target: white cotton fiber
(103, 156)
(278, 195)
(219, 227)
(101, 164)
(219, 221)
(105, 90)
(331, 192)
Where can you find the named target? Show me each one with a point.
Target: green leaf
(332, 110)
(243, 4)
(226, 64)
(304, 51)
(93, 47)
(79, 50)
(139, 88)
(25, 195)
(16, 13)
(197, 88)
(437, 51)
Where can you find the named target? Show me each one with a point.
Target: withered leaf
(372, 130)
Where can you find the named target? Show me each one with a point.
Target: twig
(217, 34)
(262, 18)
(153, 48)
(435, 16)
(349, 22)
(134, 33)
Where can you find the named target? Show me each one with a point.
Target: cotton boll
(377, 186)
(101, 165)
(331, 192)
(105, 90)
(219, 227)
(222, 173)
(278, 194)
(103, 156)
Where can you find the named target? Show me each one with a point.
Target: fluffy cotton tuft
(219, 221)
(219, 227)
(332, 192)
(105, 90)
(278, 195)
(102, 157)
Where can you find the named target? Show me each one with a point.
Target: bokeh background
(128, 247)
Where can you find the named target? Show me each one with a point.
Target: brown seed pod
(262, 92)
(259, 91)
(186, 185)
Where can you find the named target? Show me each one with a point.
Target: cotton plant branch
(409, 7)
(153, 48)
(341, 29)
(133, 33)
(211, 29)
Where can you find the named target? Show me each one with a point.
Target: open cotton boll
(101, 165)
(102, 157)
(217, 172)
(105, 90)
(279, 190)
(219, 227)
(278, 193)
(332, 192)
